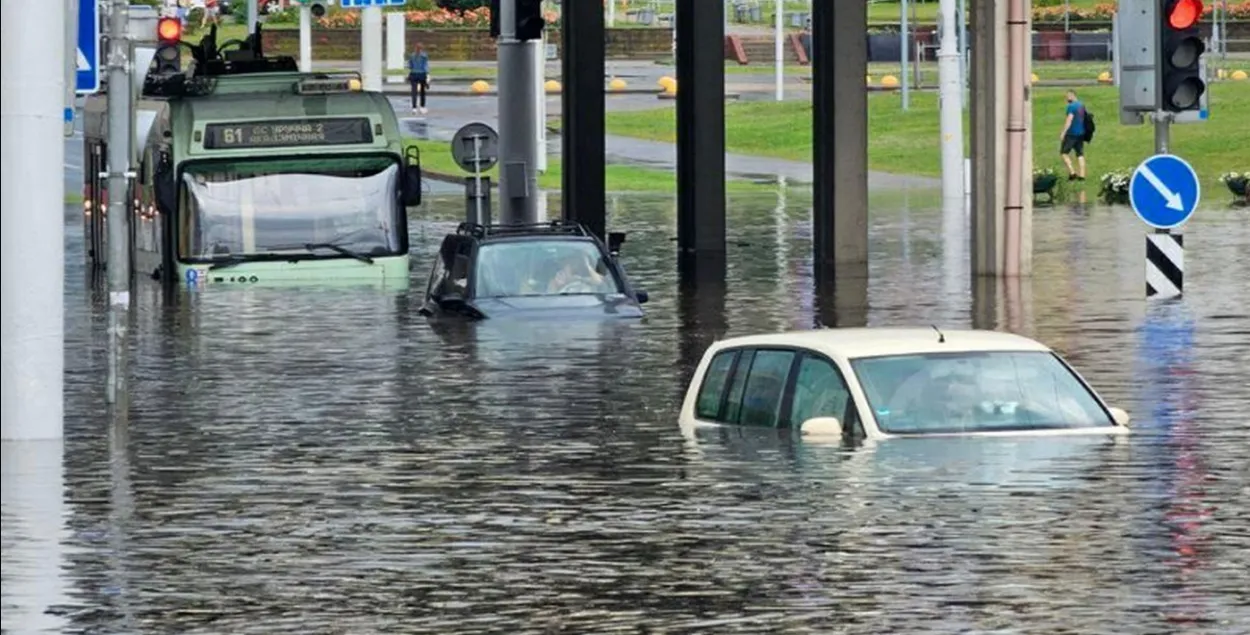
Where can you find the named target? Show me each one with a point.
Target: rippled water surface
(322, 460)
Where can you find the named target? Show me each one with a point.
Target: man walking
(419, 77)
(1072, 139)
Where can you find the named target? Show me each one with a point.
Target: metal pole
(1162, 136)
(71, 65)
(778, 34)
(951, 113)
(903, 54)
(305, 38)
(963, 48)
(611, 13)
(1115, 48)
(518, 179)
(1067, 9)
(33, 232)
(477, 178)
(539, 49)
(119, 174)
(371, 48)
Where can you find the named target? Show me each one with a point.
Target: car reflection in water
(548, 270)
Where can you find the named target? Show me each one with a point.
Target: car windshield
(542, 267)
(975, 392)
(265, 207)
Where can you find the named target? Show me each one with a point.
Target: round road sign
(475, 147)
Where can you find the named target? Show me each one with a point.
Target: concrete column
(840, 143)
(371, 48)
(32, 91)
(987, 139)
(395, 45)
(700, 37)
(582, 115)
(305, 39)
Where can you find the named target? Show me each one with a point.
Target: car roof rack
(557, 226)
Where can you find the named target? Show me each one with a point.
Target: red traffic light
(169, 30)
(1185, 14)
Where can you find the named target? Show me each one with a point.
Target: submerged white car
(880, 383)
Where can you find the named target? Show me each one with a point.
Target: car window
(543, 267)
(818, 392)
(713, 389)
(976, 391)
(761, 400)
(733, 403)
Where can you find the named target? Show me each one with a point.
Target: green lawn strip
(436, 158)
(907, 142)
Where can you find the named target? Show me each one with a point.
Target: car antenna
(941, 338)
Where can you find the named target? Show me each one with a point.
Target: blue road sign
(1164, 191)
(87, 79)
(359, 4)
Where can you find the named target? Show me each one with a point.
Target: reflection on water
(323, 460)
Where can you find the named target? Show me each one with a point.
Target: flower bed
(1113, 187)
(1104, 12)
(1238, 183)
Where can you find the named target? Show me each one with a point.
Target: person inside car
(578, 275)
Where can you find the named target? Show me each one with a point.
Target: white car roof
(851, 343)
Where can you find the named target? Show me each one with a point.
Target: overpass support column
(700, 138)
(1001, 144)
(840, 157)
(582, 114)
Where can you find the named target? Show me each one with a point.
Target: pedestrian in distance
(419, 77)
(1072, 139)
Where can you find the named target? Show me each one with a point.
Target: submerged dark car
(544, 270)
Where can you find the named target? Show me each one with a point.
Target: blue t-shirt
(1077, 110)
(419, 64)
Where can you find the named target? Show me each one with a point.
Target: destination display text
(287, 133)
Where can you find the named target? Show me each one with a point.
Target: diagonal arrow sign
(1173, 199)
(83, 64)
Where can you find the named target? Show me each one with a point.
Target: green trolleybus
(249, 171)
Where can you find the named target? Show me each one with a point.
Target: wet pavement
(323, 460)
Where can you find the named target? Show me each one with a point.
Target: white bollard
(305, 39)
(33, 233)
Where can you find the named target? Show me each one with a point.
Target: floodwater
(317, 460)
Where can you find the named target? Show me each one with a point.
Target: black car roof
(556, 229)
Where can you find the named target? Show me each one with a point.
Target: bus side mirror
(164, 186)
(410, 182)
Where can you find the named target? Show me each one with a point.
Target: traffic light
(529, 19)
(168, 58)
(1181, 84)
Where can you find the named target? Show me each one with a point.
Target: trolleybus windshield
(267, 208)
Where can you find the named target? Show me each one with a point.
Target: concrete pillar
(1002, 209)
(700, 37)
(33, 252)
(840, 147)
(396, 48)
(582, 115)
(371, 48)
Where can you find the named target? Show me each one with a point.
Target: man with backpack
(1078, 129)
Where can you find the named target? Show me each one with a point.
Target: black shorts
(1073, 144)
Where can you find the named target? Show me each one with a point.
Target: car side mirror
(164, 186)
(642, 297)
(821, 427)
(410, 183)
(1119, 416)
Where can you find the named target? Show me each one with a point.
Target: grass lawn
(436, 157)
(907, 142)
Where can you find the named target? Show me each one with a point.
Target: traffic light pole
(117, 214)
(1163, 122)
(518, 117)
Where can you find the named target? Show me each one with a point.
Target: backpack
(1089, 126)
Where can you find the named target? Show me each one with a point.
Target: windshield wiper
(340, 249)
(231, 261)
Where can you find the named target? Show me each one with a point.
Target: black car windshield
(976, 392)
(542, 267)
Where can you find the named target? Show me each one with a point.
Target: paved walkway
(448, 114)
